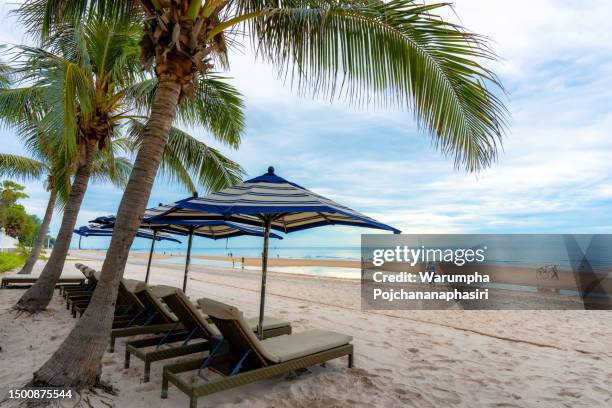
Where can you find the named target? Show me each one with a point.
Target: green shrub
(10, 260)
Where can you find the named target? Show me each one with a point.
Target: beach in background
(321, 262)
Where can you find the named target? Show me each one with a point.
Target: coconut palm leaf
(5, 71)
(110, 169)
(189, 161)
(386, 53)
(21, 167)
(395, 53)
(217, 106)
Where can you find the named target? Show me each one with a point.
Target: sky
(554, 174)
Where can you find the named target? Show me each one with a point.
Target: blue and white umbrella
(93, 230)
(275, 203)
(171, 219)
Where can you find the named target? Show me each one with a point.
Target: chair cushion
(292, 346)
(268, 323)
(131, 284)
(218, 309)
(163, 290)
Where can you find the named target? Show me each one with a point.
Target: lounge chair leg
(164, 393)
(147, 371)
(126, 364)
(350, 360)
(193, 401)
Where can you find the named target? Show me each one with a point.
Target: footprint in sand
(150, 386)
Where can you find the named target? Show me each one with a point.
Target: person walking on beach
(430, 269)
(555, 272)
(243, 262)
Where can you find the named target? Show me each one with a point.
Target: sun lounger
(239, 357)
(197, 330)
(27, 280)
(82, 291)
(87, 285)
(153, 319)
(127, 305)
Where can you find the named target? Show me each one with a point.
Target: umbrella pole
(151, 255)
(187, 260)
(264, 271)
(80, 237)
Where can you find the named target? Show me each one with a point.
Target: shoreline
(506, 275)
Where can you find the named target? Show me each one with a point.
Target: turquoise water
(197, 261)
(348, 273)
(353, 253)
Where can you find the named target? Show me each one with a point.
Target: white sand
(412, 359)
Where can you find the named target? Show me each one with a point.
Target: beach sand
(403, 358)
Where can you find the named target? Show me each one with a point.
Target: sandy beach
(403, 358)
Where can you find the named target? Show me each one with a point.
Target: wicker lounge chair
(21, 281)
(28, 280)
(82, 291)
(127, 306)
(155, 318)
(239, 357)
(193, 339)
(85, 285)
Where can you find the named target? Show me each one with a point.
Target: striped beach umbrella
(275, 203)
(169, 219)
(93, 230)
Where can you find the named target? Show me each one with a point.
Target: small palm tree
(84, 89)
(392, 53)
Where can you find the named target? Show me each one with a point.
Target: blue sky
(554, 174)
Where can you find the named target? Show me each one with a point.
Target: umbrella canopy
(104, 231)
(171, 219)
(278, 204)
(289, 206)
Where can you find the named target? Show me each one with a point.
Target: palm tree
(27, 168)
(24, 117)
(391, 53)
(90, 81)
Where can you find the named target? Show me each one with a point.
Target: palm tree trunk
(42, 234)
(39, 295)
(77, 362)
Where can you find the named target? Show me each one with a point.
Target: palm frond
(111, 169)
(190, 162)
(43, 18)
(20, 104)
(21, 167)
(389, 53)
(217, 106)
(5, 71)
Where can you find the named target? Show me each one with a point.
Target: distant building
(7, 243)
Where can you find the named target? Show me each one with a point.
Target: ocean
(350, 253)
